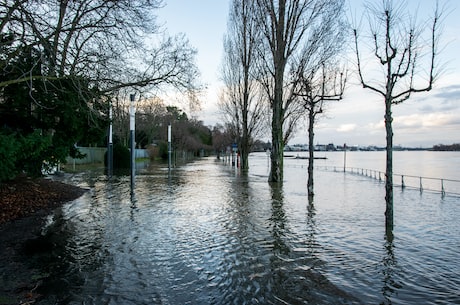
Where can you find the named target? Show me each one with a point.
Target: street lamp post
(132, 124)
(110, 148)
(169, 146)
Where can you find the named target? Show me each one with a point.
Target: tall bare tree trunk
(245, 145)
(389, 167)
(242, 106)
(245, 140)
(276, 155)
(397, 43)
(276, 169)
(294, 32)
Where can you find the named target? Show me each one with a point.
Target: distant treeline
(453, 147)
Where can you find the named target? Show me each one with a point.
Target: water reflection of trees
(63, 260)
(311, 226)
(79, 235)
(295, 267)
(279, 258)
(389, 269)
(278, 219)
(257, 260)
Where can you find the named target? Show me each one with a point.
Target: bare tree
(115, 44)
(149, 119)
(318, 87)
(221, 138)
(288, 27)
(401, 49)
(93, 50)
(241, 103)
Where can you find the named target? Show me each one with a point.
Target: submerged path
(206, 234)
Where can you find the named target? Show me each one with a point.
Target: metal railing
(439, 185)
(421, 183)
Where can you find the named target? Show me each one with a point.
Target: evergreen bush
(8, 154)
(121, 157)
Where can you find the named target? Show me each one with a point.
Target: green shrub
(34, 149)
(9, 148)
(121, 157)
(163, 148)
(21, 153)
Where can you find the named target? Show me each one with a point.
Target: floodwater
(207, 234)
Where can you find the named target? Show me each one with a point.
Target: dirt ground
(24, 205)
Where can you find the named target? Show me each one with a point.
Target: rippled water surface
(206, 234)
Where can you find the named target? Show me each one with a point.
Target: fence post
(421, 187)
(402, 182)
(443, 192)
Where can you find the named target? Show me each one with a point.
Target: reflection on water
(205, 234)
(389, 270)
(278, 220)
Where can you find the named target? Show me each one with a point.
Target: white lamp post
(132, 124)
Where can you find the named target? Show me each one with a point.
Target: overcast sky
(424, 120)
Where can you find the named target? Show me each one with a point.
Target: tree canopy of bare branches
(319, 87)
(60, 58)
(406, 51)
(294, 32)
(241, 103)
(115, 44)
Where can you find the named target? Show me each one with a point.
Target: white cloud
(427, 120)
(347, 127)
(373, 128)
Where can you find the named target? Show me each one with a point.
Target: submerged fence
(443, 186)
(438, 185)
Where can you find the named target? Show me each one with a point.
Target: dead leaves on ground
(24, 196)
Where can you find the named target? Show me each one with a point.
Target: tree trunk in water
(389, 167)
(311, 136)
(279, 61)
(276, 155)
(276, 170)
(244, 150)
(244, 159)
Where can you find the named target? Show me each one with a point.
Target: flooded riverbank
(206, 234)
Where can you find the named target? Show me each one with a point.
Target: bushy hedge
(163, 147)
(23, 154)
(8, 154)
(35, 149)
(121, 157)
